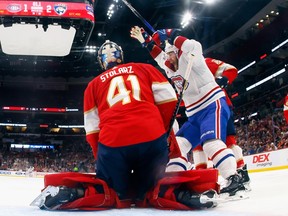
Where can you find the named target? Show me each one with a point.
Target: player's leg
(149, 166)
(180, 162)
(188, 138)
(231, 143)
(213, 126)
(113, 167)
(199, 157)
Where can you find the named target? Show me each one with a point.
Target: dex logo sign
(261, 158)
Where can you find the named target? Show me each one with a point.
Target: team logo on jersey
(60, 9)
(14, 8)
(178, 82)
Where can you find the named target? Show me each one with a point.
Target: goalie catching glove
(141, 35)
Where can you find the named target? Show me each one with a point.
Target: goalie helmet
(110, 55)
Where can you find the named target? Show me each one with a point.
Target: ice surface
(267, 198)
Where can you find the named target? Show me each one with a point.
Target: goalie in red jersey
(120, 106)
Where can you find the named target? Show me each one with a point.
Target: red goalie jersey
(123, 103)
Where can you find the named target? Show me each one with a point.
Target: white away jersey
(202, 89)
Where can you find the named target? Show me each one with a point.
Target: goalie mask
(110, 55)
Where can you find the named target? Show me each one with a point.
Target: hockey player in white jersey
(205, 103)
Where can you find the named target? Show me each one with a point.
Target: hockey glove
(160, 36)
(141, 35)
(222, 81)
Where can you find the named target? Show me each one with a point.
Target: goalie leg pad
(98, 195)
(164, 195)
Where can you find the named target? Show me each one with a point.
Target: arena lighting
(235, 95)
(28, 146)
(266, 79)
(101, 34)
(13, 125)
(253, 114)
(111, 9)
(71, 110)
(70, 126)
(91, 49)
(263, 56)
(13, 108)
(45, 109)
(55, 130)
(210, 1)
(43, 125)
(247, 66)
(279, 45)
(237, 120)
(186, 19)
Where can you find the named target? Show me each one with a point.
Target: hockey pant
(161, 196)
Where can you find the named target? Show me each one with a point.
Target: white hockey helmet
(110, 55)
(170, 48)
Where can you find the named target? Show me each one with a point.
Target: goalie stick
(139, 15)
(184, 85)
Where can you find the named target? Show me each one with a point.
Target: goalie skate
(54, 197)
(39, 200)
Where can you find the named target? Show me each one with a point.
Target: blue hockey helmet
(110, 55)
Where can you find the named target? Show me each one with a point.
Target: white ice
(267, 198)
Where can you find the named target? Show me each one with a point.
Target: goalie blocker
(194, 189)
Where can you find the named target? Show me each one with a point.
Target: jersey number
(118, 90)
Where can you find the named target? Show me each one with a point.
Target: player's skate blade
(239, 195)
